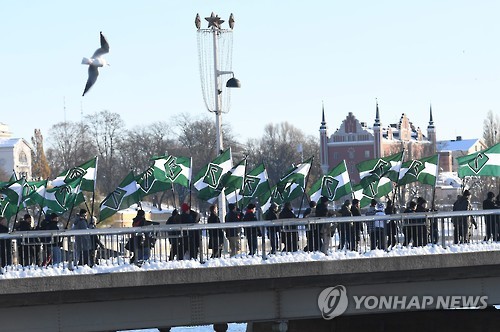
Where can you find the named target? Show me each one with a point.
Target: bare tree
(279, 148)
(70, 145)
(39, 166)
(491, 129)
(106, 131)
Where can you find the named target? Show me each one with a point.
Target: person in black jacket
(26, 247)
(290, 236)
(251, 232)
(273, 231)
(392, 229)
(173, 239)
(357, 227)
(344, 227)
(142, 242)
(421, 234)
(54, 247)
(491, 221)
(216, 236)
(233, 234)
(5, 245)
(186, 239)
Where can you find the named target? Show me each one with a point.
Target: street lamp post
(215, 52)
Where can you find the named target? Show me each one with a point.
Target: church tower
(377, 133)
(323, 144)
(431, 133)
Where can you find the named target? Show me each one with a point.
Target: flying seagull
(197, 22)
(94, 62)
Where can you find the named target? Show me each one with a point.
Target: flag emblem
(415, 168)
(213, 175)
(329, 186)
(477, 164)
(380, 168)
(115, 199)
(62, 195)
(250, 185)
(75, 173)
(172, 169)
(147, 180)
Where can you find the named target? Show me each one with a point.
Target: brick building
(355, 141)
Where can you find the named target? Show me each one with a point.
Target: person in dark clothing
(216, 236)
(185, 241)
(27, 248)
(5, 245)
(392, 229)
(173, 239)
(273, 231)
(491, 221)
(321, 238)
(409, 229)
(357, 227)
(142, 242)
(251, 232)
(83, 243)
(95, 243)
(233, 234)
(312, 228)
(290, 235)
(344, 228)
(54, 247)
(194, 235)
(421, 235)
(463, 225)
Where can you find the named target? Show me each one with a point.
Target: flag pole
(433, 207)
(305, 186)
(93, 191)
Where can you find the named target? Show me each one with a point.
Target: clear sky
(290, 56)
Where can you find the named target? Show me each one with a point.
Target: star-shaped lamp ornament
(214, 21)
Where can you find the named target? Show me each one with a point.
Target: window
(22, 158)
(367, 154)
(350, 153)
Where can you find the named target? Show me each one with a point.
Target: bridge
(263, 288)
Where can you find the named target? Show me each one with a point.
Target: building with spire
(355, 141)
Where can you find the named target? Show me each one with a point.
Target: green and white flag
(256, 184)
(233, 181)
(424, 170)
(208, 179)
(372, 170)
(127, 193)
(149, 184)
(86, 171)
(11, 196)
(280, 195)
(364, 195)
(297, 174)
(482, 163)
(59, 199)
(334, 185)
(32, 188)
(173, 169)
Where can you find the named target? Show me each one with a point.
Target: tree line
(119, 150)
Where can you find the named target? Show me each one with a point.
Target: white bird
(95, 62)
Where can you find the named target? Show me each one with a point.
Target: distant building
(15, 154)
(355, 141)
(450, 150)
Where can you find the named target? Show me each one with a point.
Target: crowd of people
(383, 233)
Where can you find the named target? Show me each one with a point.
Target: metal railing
(71, 249)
